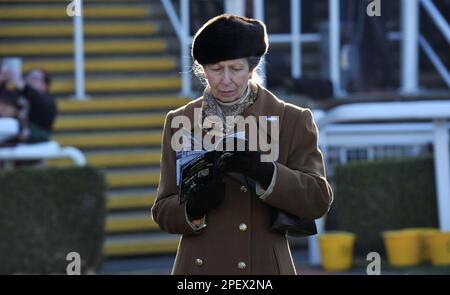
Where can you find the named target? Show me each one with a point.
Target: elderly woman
(226, 226)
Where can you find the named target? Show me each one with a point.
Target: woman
(226, 225)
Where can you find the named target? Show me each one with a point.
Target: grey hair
(254, 63)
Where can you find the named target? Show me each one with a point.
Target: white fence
(357, 126)
(41, 151)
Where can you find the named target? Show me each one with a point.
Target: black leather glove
(249, 163)
(207, 198)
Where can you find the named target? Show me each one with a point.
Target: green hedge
(47, 213)
(372, 197)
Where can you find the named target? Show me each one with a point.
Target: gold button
(242, 227)
(198, 262)
(243, 189)
(242, 265)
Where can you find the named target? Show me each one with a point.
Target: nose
(226, 77)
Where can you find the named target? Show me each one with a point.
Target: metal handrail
(172, 14)
(42, 151)
(181, 27)
(437, 17)
(386, 111)
(444, 28)
(435, 60)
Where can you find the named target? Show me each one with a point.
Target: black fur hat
(227, 36)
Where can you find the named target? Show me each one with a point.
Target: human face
(36, 80)
(228, 79)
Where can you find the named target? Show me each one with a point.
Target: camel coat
(238, 238)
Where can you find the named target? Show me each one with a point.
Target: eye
(237, 69)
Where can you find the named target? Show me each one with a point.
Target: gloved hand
(249, 163)
(205, 199)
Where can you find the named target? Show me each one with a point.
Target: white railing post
(258, 13)
(296, 15)
(185, 49)
(335, 32)
(74, 154)
(410, 47)
(442, 172)
(174, 20)
(80, 91)
(314, 257)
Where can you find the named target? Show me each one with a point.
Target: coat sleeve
(301, 187)
(167, 212)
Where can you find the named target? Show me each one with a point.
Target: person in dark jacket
(42, 108)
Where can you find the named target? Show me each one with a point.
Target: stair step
(141, 246)
(133, 222)
(124, 103)
(91, 47)
(59, 12)
(120, 121)
(108, 65)
(120, 84)
(126, 69)
(114, 159)
(140, 199)
(66, 30)
(112, 139)
(121, 179)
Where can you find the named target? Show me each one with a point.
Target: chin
(227, 99)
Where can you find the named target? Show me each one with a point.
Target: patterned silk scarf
(213, 110)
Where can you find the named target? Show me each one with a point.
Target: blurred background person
(40, 105)
(11, 121)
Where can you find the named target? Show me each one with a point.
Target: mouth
(227, 93)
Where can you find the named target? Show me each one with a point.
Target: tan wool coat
(238, 238)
